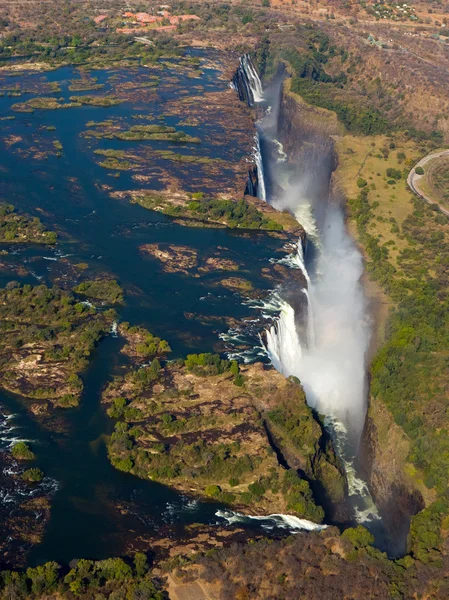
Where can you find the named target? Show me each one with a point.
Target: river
(97, 511)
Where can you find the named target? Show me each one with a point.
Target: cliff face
(382, 461)
(305, 133)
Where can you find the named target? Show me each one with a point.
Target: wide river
(96, 510)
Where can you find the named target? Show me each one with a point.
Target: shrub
(419, 171)
(212, 490)
(359, 536)
(394, 173)
(21, 451)
(33, 475)
(361, 183)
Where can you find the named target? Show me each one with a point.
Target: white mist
(331, 362)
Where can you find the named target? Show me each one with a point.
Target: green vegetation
(96, 100)
(156, 132)
(107, 290)
(204, 365)
(46, 339)
(419, 171)
(142, 343)
(393, 173)
(239, 214)
(85, 85)
(22, 228)
(408, 374)
(111, 578)
(139, 133)
(117, 165)
(22, 451)
(227, 213)
(42, 102)
(331, 76)
(316, 87)
(33, 475)
(182, 424)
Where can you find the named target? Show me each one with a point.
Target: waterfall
(329, 361)
(261, 191)
(246, 82)
(283, 343)
(310, 323)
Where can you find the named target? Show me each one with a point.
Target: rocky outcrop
(382, 461)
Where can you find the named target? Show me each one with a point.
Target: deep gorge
(290, 133)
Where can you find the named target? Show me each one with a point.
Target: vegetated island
(47, 335)
(17, 228)
(107, 291)
(200, 425)
(192, 209)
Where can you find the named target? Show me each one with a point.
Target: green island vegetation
(125, 161)
(110, 578)
(18, 228)
(42, 103)
(107, 290)
(22, 451)
(141, 343)
(234, 214)
(95, 100)
(51, 103)
(33, 475)
(136, 133)
(117, 165)
(85, 85)
(46, 339)
(184, 424)
(297, 429)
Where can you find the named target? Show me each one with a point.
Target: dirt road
(413, 178)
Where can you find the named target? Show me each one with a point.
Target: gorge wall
(306, 134)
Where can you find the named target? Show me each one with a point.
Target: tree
(419, 171)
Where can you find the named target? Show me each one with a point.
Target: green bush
(419, 171)
(34, 475)
(212, 490)
(394, 173)
(359, 536)
(22, 451)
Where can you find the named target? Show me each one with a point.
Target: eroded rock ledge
(201, 425)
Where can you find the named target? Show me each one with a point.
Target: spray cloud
(331, 362)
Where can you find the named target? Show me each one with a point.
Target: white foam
(290, 522)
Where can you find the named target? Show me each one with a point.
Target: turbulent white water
(261, 191)
(330, 362)
(253, 77)
(332, 368)
(294, 524)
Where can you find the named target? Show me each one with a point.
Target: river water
(97, 510)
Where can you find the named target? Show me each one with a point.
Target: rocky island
(232, 179)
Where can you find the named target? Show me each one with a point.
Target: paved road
(413, 178)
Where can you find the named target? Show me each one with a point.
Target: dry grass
(361, 158)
